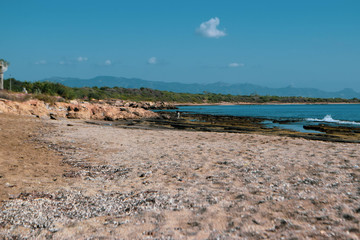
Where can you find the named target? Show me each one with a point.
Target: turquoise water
(298, 114)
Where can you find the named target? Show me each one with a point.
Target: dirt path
(26, 165)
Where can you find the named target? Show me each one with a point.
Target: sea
(288, 116)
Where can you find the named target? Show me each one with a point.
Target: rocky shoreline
(141, 115)
(234, 124)
(110, 110)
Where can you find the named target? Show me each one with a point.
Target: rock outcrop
(75, 110)
(144, 105)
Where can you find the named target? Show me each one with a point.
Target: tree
(3, 67)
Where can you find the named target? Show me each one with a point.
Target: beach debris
(9, 185)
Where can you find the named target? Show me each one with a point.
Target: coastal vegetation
(48, 91)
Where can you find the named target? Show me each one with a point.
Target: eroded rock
(76, 110)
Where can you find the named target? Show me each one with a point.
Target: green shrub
(46, 98)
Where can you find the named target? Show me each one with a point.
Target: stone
(9, 185)
(53, 116)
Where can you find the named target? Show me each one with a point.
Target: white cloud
(235, 65)
(62, 62)
(152, 60)
(108, 62)
(41, 62)
(82, 59)
(209, 29)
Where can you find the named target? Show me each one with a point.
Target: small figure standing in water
(177, 114)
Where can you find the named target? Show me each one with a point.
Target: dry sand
(74, 180)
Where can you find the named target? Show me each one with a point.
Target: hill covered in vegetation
(218, 87)
(44, 88)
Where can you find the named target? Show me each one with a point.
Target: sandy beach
(66, 179)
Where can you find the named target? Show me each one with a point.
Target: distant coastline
(51, 92)
(196, 88)
(268, 103)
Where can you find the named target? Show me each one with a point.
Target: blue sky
(303, 43)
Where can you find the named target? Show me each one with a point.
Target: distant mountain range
(218, 87)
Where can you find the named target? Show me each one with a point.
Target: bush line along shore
(50, 92)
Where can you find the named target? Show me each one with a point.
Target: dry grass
(19, 97)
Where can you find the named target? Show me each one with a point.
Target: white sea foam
(329, 119)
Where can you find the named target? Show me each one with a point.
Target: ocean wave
(329, 119)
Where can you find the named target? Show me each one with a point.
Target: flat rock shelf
(234, 124)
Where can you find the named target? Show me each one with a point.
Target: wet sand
(99, 181)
